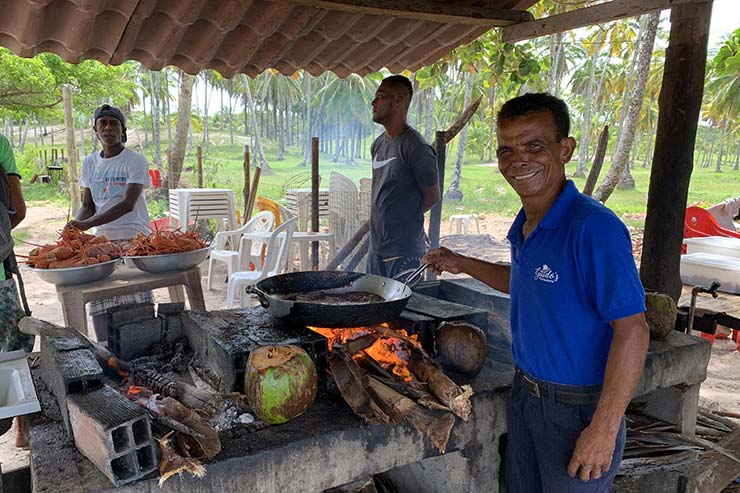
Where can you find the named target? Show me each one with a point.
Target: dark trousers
(542, 436)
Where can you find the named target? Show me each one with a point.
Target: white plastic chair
(226, 244)
(278, 247)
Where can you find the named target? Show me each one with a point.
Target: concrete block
(677, 405)
(171, 316)
(114, 433)
(131, 340)
(133, 312)
(70, 371)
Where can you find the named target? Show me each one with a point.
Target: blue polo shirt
(573, 275)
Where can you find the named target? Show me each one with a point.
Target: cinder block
(131, 340)
(114, 433)
(132, 312)
(67, 366)
(171, 316)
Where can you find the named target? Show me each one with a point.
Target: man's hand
(593, 453)
(81, 225)
(443, 259)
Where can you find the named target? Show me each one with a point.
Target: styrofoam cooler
(703, 268)
(716, 245)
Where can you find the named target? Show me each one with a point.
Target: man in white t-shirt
(113, 181)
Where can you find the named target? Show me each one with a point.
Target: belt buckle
(535, 390)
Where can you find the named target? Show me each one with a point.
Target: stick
(455, 128)
(253, 193)
(247, 191)
(351, 244)
(357, 258)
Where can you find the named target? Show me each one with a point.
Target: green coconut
(661, 314)
(280, 382)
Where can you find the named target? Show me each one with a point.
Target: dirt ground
(721, 390)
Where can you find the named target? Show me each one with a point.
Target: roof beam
(425, 10)
(587, 16)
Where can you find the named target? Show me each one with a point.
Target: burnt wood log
(673, 158)
(593, 175)
(436, 428)
(448, 392)
(350, 246)
(192, 397)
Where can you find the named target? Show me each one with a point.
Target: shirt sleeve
(424, 165)
(608, 268)
(139, 171)
(7, 159)
(85, 173)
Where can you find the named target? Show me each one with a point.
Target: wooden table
(127, 280)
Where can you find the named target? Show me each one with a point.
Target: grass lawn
(485, 191)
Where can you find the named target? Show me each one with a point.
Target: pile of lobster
(73, 249)
(164, 242)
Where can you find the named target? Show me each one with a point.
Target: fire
(134, 392)
(388, 351)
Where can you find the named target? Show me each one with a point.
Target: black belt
(562, 396)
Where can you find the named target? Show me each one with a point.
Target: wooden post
(315, 201)
(435, 217)
(673, 158)
(253, 192)
(199, 157)
(246, 192)
(593, 175)
(46, 157)
(74, 185)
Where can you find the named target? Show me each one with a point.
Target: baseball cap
(108, 110)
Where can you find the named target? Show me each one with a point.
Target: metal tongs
(413, 276)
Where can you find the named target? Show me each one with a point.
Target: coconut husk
(172, 463)
(661, 314)
(461, 346)
(208, 446)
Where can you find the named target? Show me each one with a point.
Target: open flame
(388, 351)
(134, 392)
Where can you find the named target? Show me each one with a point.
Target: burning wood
(192, 397)
(386, 377)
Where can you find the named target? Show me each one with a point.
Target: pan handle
(261, 295)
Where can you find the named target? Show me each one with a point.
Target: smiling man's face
(531, 156)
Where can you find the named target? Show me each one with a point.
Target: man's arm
(16, 200)
(87, 209)
(595, 446)
(431, 196)
(443, 259)
(123, 206)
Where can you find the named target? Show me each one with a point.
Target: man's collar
(554, 217)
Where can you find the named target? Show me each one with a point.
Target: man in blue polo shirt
(577, 309)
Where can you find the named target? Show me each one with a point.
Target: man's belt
(562, 396)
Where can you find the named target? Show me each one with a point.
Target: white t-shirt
(107, 179)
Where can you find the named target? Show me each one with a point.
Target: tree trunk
(231, 111)
(155, 86)
(454, 192)
(177, 154)
(708, 154)
(429, 126)
(74, 185)
(23, 135)
(167, 105)
(649, 148)
(621, 155)
(266, 170)
(721, 149)
(737, 157)
(206, 101)
(593, 175)
(586, 130)
(143, 127)
(680, 105)
(306, 144)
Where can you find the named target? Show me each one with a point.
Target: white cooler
(716, 245)
(703, 268)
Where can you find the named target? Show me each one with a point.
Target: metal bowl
(76, 275)
(173, 262)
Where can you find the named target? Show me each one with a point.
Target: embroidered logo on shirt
(546, 274)
(380, 164)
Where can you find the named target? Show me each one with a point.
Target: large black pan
(272, 293)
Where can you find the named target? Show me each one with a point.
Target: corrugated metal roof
(233, 36)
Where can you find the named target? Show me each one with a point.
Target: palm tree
(251, 108)
(177, 153)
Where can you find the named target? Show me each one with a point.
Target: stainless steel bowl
(76, 275)
(173, 262)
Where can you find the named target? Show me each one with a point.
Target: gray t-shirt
(401, 168)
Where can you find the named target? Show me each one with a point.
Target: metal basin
(76, 275)
(173, 262)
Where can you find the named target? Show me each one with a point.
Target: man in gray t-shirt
(405, 183)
